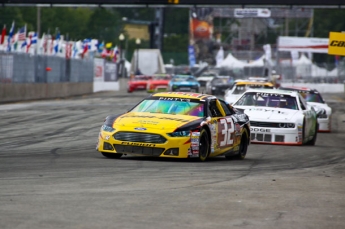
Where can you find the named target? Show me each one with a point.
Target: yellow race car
(177, 125)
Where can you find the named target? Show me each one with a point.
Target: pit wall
(15, 92)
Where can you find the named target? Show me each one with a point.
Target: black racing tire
(204, 145)
(112, 155)
(242, 152)
(313, 140)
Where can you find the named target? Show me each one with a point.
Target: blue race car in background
(184, 83)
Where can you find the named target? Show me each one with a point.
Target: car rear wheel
(112, 155)
(204, 145)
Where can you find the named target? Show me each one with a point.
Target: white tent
(231, 62)
(303, 60)
(257, 63)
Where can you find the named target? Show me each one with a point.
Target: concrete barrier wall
(28, 91)
(322, 87)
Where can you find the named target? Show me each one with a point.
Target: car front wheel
(204, 145)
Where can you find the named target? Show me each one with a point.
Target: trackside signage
(303, 44)
(336, 44)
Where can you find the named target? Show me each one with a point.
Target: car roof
(247, 82)
(274, 91)
(185, 95)
(296, 88)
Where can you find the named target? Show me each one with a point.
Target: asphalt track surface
(52, 177)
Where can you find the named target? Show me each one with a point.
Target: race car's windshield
(242, 88)
(220, 81)
(161, 77)
(264, 99)
(141, 78)
(312, 97)
(184, 78)
(171, 107)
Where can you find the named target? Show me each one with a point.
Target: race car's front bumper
(279, 136)
(324, 124)
(173, 147)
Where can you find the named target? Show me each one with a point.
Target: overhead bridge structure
(179, 3)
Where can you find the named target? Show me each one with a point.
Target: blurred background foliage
(106, 24)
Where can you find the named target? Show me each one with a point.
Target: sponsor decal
(195, 147)
(107, 137)
(336, 44)
(195, 95)
(140, 128)
(242, 13)
(148, 122)
(174, 99)
(264, 94)
(237, 127)
(195, 140)
(195, 152)
(196, 134)
(138, 144)
(259, 129)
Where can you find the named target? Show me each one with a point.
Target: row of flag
(24, 41)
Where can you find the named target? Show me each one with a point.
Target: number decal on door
(225, 131)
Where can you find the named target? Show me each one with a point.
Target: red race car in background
(138, 82)
(159, 82)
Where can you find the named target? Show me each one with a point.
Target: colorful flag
(3, 35)
(24, 44)
(75, 50)
(108, 45)
(115, 54)
(15, 42)
(22, 34)
(105, 53)
(32, 41)
(69, 46)
(57, 43)
(86, 47)
(191, 55)
(10, 35)
(34, 38)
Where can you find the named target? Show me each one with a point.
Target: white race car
(240, 86)
(278, 117)
(314, 98)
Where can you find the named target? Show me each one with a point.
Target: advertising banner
(303, 44)
(336, 44)
(249, 13)
(98, 69)
(201, 29)
(110, 72)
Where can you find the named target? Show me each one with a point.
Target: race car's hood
(318, 106)
(160, 82)
(138, 82)
(205, 78)
(268, 113)
(152, 121)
